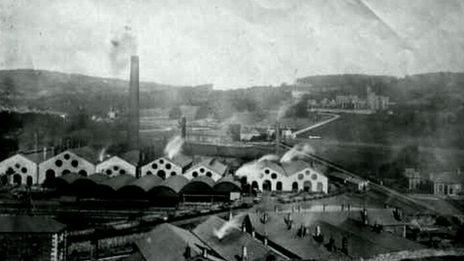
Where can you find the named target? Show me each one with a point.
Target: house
(165, 167)
(32, 238)
(63, 163)
(19, 170)
(210, 167)
(447, 183)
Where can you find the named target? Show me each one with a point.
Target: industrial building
(116, 166)
(288, 176)
(32, 238)
(209, 167)
(165, 167)
(19, 170)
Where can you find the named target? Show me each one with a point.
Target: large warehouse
(288, 176)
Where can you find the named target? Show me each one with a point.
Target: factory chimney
(133, 120)
(183, 124)
(277, 135)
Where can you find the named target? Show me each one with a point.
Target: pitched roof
(171, 246)
(381, 216)
(230, 245)
(447, 177)
(294, 167)
(228, 179)
(213, 164)
(271, 165)
(37, 157)
(132, 157)
(180, 160)
(86, 153)
(29, 224)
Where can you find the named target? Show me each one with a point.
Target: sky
(232, 43)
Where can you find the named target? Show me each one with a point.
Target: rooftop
(448, 177)
(29, 224)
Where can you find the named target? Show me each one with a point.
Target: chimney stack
(133, 130)
(277, 134)
(183, 124)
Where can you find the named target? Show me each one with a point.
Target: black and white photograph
(231, 130)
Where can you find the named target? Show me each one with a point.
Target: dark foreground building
(32, 238)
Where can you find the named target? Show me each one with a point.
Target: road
(317, 125)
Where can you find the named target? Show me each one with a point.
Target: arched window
(83, 173)
(161, 174)
(295, 186)
(307, 186)
(149, 173)
(279, 186)
(254, 185)
(50, 174)
(29, 181)
(173, 173)
(17, 179)
(267, 185)
(320, 187)
(66, 171)
(4, 179)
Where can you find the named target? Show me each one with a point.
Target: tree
(175, 113)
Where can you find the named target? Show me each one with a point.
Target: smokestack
(183, 124)
(277, 134)
(133, 130)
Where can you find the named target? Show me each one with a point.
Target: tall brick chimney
(133, 128)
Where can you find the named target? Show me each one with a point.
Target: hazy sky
(232, 43)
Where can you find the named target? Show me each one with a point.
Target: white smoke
(299, 151)
(283, 110)
(234, 223)
(102, 154)
(248, 169)
(174, 147)
(269, 157)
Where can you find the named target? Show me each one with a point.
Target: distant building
(116, 166)
(447, 183)
(32, 238)
(209, 167)
(165, 167)
(19, 170)
(356, 184)
(414, 178)
(66, 162)
(289, 176)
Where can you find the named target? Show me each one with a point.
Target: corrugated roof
(118, 182)
(230, 246)
(171, 245)
(175, 183)
(447, 177)
(147, 182)
(29, 224)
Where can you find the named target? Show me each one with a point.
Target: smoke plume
(248, 169)
(227, 227)
(299, 151)
(123, 45)
(174, 147)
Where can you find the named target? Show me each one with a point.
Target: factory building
(19, 170)
(63, 163)
(165, 167)
(115, 166)
(109, 187)
(32, 238)
(139, 188)
(209, 167)
(288, 176)
(167, 192)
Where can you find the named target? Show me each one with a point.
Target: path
(334, 117)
